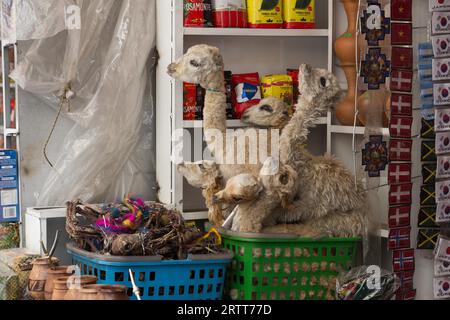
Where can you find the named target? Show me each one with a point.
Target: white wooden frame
(169, 117)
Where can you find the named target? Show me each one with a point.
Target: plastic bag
(102, 62)
(367, 283)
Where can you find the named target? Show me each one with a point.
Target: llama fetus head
(199, 65)
(200, 174)
(271, 112)
(239, 189)
(319, 85)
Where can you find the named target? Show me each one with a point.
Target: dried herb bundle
(164, 233)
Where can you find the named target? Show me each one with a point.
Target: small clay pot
(76, 284)
(53, 274)
(60, 288)
(38, 277)
(113, 293)
(90, 292)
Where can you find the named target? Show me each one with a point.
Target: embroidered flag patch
(401, 34)
(443, 191)
(401, 10)
(442, 143)
(400, 150)
(401, 104)
(429, 151)
(441, 268)
(443, 212)
(443, 249)
(427, 131)
(439, 5)
(400, 194)
(406, 296)
(428, 195)
(399, 238)
(427, 217)
(441, 69)
(440, 22)
(402, 58)
(441, 94)
(399, 217)
(406, 280)
(429, 173)
(441, 46)
(404, 260)
(401, 127)
(442, 120)
(401, 80)
(399, 173)
(442, 288)
(427, 239)
(443, 167)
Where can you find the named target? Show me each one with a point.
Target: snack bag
(230, 14)
(246, 92)
(193, 101)
(294, 73)
(229, 90)
(299, 14)
(265, 14)
(198, 13)
(278, 86)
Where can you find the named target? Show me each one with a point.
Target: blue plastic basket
(201, 277)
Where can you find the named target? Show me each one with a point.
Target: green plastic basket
(267, 267)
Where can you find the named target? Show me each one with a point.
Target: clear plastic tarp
(92, 61)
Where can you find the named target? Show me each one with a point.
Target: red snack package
(230, 14)
(193, 101)
(246, 92)
(294, 75)
(198, 13)
(229, 89)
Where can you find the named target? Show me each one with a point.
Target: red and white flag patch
(400, 194)
(400, 150)
(401, 105)
(401, 127)
(401, 80)
(400, 217)
(399, 173)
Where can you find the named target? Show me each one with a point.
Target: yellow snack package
(265, 14)
(299, 14)
(278, 86)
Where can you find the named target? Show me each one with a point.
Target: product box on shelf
(278, 86)
(9, 187)
(246, 92)
(299, 14)
(265, 14)
(230, 14)
(193, 101)
(198, 13)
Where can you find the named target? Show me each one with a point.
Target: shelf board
(198, 124)
(349, 130)
(251, 32)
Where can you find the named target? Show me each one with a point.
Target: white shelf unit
(267, 51)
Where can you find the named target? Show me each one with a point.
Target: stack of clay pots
(38, 276)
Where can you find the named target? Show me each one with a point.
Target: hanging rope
(63, 100)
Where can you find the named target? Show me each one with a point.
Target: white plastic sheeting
(104, 50)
